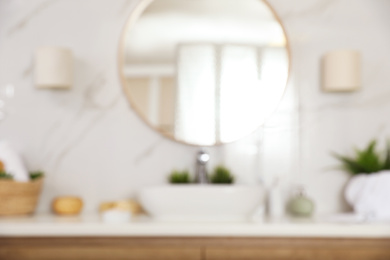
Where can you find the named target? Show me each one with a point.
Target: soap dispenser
(275, 201)
(300, 205)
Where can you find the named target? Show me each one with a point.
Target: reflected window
(236, 86)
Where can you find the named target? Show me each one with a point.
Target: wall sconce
(341, 71)
(53, 68)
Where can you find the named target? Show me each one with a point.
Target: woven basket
(19, 198)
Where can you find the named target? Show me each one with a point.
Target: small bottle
(300, 205)
(275, 201)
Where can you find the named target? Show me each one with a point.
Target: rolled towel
(13, 164)
(369, 195)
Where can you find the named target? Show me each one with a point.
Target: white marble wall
(337, 122)
(91, 143)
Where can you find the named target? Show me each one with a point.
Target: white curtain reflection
(195, 113)
(239, 92)
(226, 91)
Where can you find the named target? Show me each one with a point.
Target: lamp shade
(53, 67)
(341, 71)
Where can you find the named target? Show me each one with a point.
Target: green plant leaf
(36, 175)
(179, 177)
(386, 163)
(6, 176)
(221, 175)
(367, 161)
(349, 164)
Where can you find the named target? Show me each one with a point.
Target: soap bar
(126, 205)
(67, 205)
(116, 216)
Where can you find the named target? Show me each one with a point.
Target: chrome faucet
(202, 158)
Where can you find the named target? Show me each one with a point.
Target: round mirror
(204, 72)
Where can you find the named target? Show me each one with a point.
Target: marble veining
(81, 135)
(144, 154)
(27, 72)
(308, 8)
(27, 18)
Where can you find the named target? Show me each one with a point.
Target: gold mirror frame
(137, 12)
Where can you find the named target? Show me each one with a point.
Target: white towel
(369, 195)
(12, 162)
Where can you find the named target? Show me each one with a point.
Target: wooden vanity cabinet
(299, 249)
(194, 248)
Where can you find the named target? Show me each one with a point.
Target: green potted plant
(221, 175)
(179, 177)
(19, 198)
(5, 176)
(366, 161)
(369, 187)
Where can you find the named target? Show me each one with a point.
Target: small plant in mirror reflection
(366, 161)
(179, 177)
(221, 175)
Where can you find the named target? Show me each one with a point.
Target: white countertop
(49, 225)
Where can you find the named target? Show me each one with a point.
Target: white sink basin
(201, 202)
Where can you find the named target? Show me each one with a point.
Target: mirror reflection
(204, 72)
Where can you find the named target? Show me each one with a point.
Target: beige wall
(139, 92)
(140, 95)
(167, 105)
